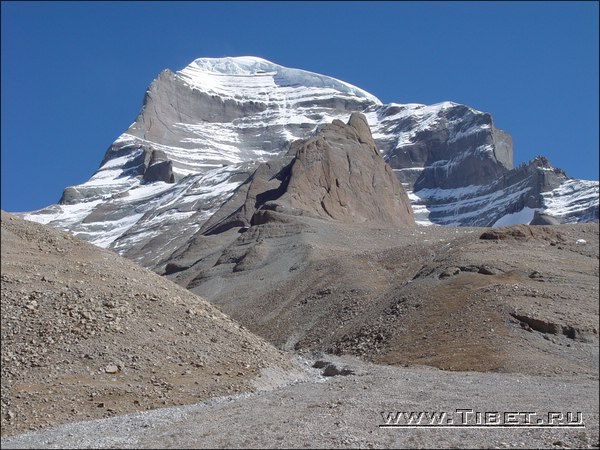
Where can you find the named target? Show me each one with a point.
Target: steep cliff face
(203, 131)
(213, 123)
(515, 197)
(338, 174)
(446, 145)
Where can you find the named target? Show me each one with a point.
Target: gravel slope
(525, 300)
(345, 412)
(87, 334)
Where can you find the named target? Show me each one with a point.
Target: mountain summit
(204, 130)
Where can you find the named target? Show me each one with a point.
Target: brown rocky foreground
(87, 334)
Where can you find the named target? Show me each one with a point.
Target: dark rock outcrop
(522, 232)
(525, 186)
(337, 174)
(159, 168)
(268, 182)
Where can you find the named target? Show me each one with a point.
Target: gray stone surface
(543, 219)
(160, 171)
(345, 412)
(339, 174)
(449, 148)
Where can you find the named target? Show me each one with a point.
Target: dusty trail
(345, 412)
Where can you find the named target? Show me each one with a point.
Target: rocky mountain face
(289, 200)
(337, 174)
(203, 132)
(517, 196)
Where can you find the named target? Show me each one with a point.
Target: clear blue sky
(74, 73)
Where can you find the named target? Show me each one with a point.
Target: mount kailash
(203, 131)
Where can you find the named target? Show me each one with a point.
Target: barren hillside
(525, 300)
(88, 334)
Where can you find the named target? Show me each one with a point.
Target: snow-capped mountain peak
(203, 130)
(245, 74)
